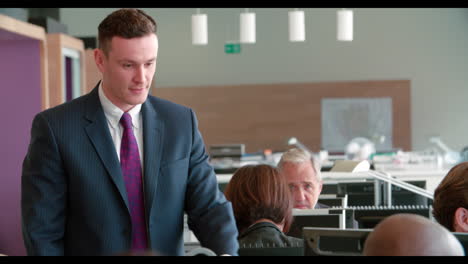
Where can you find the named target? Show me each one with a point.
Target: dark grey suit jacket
(73, 196)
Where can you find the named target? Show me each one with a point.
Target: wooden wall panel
(93, 75)
(55, 43)
(266, 115)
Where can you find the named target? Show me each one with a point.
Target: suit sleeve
(43, 193)
(210, 215)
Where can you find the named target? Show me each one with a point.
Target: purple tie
(131, 170)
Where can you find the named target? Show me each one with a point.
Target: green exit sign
(231, 48)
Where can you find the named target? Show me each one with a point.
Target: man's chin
(139, 99)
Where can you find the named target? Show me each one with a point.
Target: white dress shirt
(113, 115)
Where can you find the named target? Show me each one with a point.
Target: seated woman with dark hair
(262, 207)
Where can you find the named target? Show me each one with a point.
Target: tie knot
(126, 121)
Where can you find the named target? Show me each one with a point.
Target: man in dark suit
(302, 172)
(79, 183)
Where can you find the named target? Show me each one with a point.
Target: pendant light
(296, 26)
(247, 27)
(344, 25)
(199, 28)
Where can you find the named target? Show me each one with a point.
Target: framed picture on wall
(346, 118)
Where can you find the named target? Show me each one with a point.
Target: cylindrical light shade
(199, 29)
(247, 27)
(296, 26)
(344, 25)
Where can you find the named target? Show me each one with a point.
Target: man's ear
(99, 59)
(461, 220)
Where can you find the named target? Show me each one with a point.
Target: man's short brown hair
(126, 23)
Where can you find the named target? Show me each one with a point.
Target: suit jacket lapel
(152, 141)
(98, 133)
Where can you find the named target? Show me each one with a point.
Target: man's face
(303, 183)
(128, 69)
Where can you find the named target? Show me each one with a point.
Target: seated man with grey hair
(302, 171)
(411, 235)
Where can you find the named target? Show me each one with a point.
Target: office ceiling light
(247, 27)
(199, 28)
(344, 25)
(296, 26)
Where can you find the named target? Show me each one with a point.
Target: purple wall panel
(20, 84)
(68, 79)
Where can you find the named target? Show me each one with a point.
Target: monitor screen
(404, 197)
(362, 193)
(370, 216)
(334, 241)
(333, 201)
(316, 218)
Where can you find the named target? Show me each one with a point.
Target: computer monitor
(227, 151)
(359, 193)
(370, 216)
(226, 158)
(334, 241)
(333, 200)
(336, 218)
(363, 193)
(401, 196)
(329, 188)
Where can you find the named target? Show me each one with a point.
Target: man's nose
(299, 194)
(139, 75)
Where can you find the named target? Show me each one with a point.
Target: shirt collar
(113, 113)
(259, 225)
